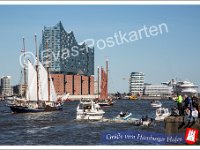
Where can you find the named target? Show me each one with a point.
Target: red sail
(104, 85)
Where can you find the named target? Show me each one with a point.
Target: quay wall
(177, 124)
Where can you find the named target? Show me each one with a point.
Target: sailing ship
(104, 100)
(39, 94)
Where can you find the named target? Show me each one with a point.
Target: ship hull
(21, 109)
(89, 116)
(105, 104)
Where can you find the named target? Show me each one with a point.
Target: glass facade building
(63, 54)
(6, 89)
(136, 83)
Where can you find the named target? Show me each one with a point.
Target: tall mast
(37, 68)
(25, 82)
(107, 67)
(107, 77)
(98, 81)
(47, 66)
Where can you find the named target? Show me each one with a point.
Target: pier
(177, 124)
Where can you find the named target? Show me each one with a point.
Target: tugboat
(40, 94)
(87, 109)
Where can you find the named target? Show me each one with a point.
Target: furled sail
(31, 93)
(104, 85)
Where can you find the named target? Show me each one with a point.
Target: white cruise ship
(186, 87)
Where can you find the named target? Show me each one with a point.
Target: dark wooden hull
(105, 104)
(21, 109)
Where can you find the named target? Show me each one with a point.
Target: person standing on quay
(179, 104)
(188, 104)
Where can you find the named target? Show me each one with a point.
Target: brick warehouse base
(73, 84)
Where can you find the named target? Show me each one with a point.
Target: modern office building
(6, 88)
(136, 83)
(63, 54)
(19, 90)
(158, 90)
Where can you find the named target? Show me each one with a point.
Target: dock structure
(179, 124)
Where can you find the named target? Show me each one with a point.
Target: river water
(60, 128)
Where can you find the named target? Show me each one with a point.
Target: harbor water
(61, 128)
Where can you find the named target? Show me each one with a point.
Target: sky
(173, 54)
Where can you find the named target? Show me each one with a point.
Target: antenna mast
(107, 78)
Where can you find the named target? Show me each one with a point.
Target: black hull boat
(105, 104)
(22, 109)
(48, 108)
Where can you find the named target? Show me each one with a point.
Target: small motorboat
(125, 117)
(87, 109)
(146, 121)
(162, 113)
(105, 103)
(156, 104)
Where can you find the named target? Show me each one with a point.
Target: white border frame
(103, 2)
(158, 147)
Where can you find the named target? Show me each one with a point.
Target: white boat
(87, 109)
(162, 113)
(156, 104)
(123, 116)
(127, 118)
